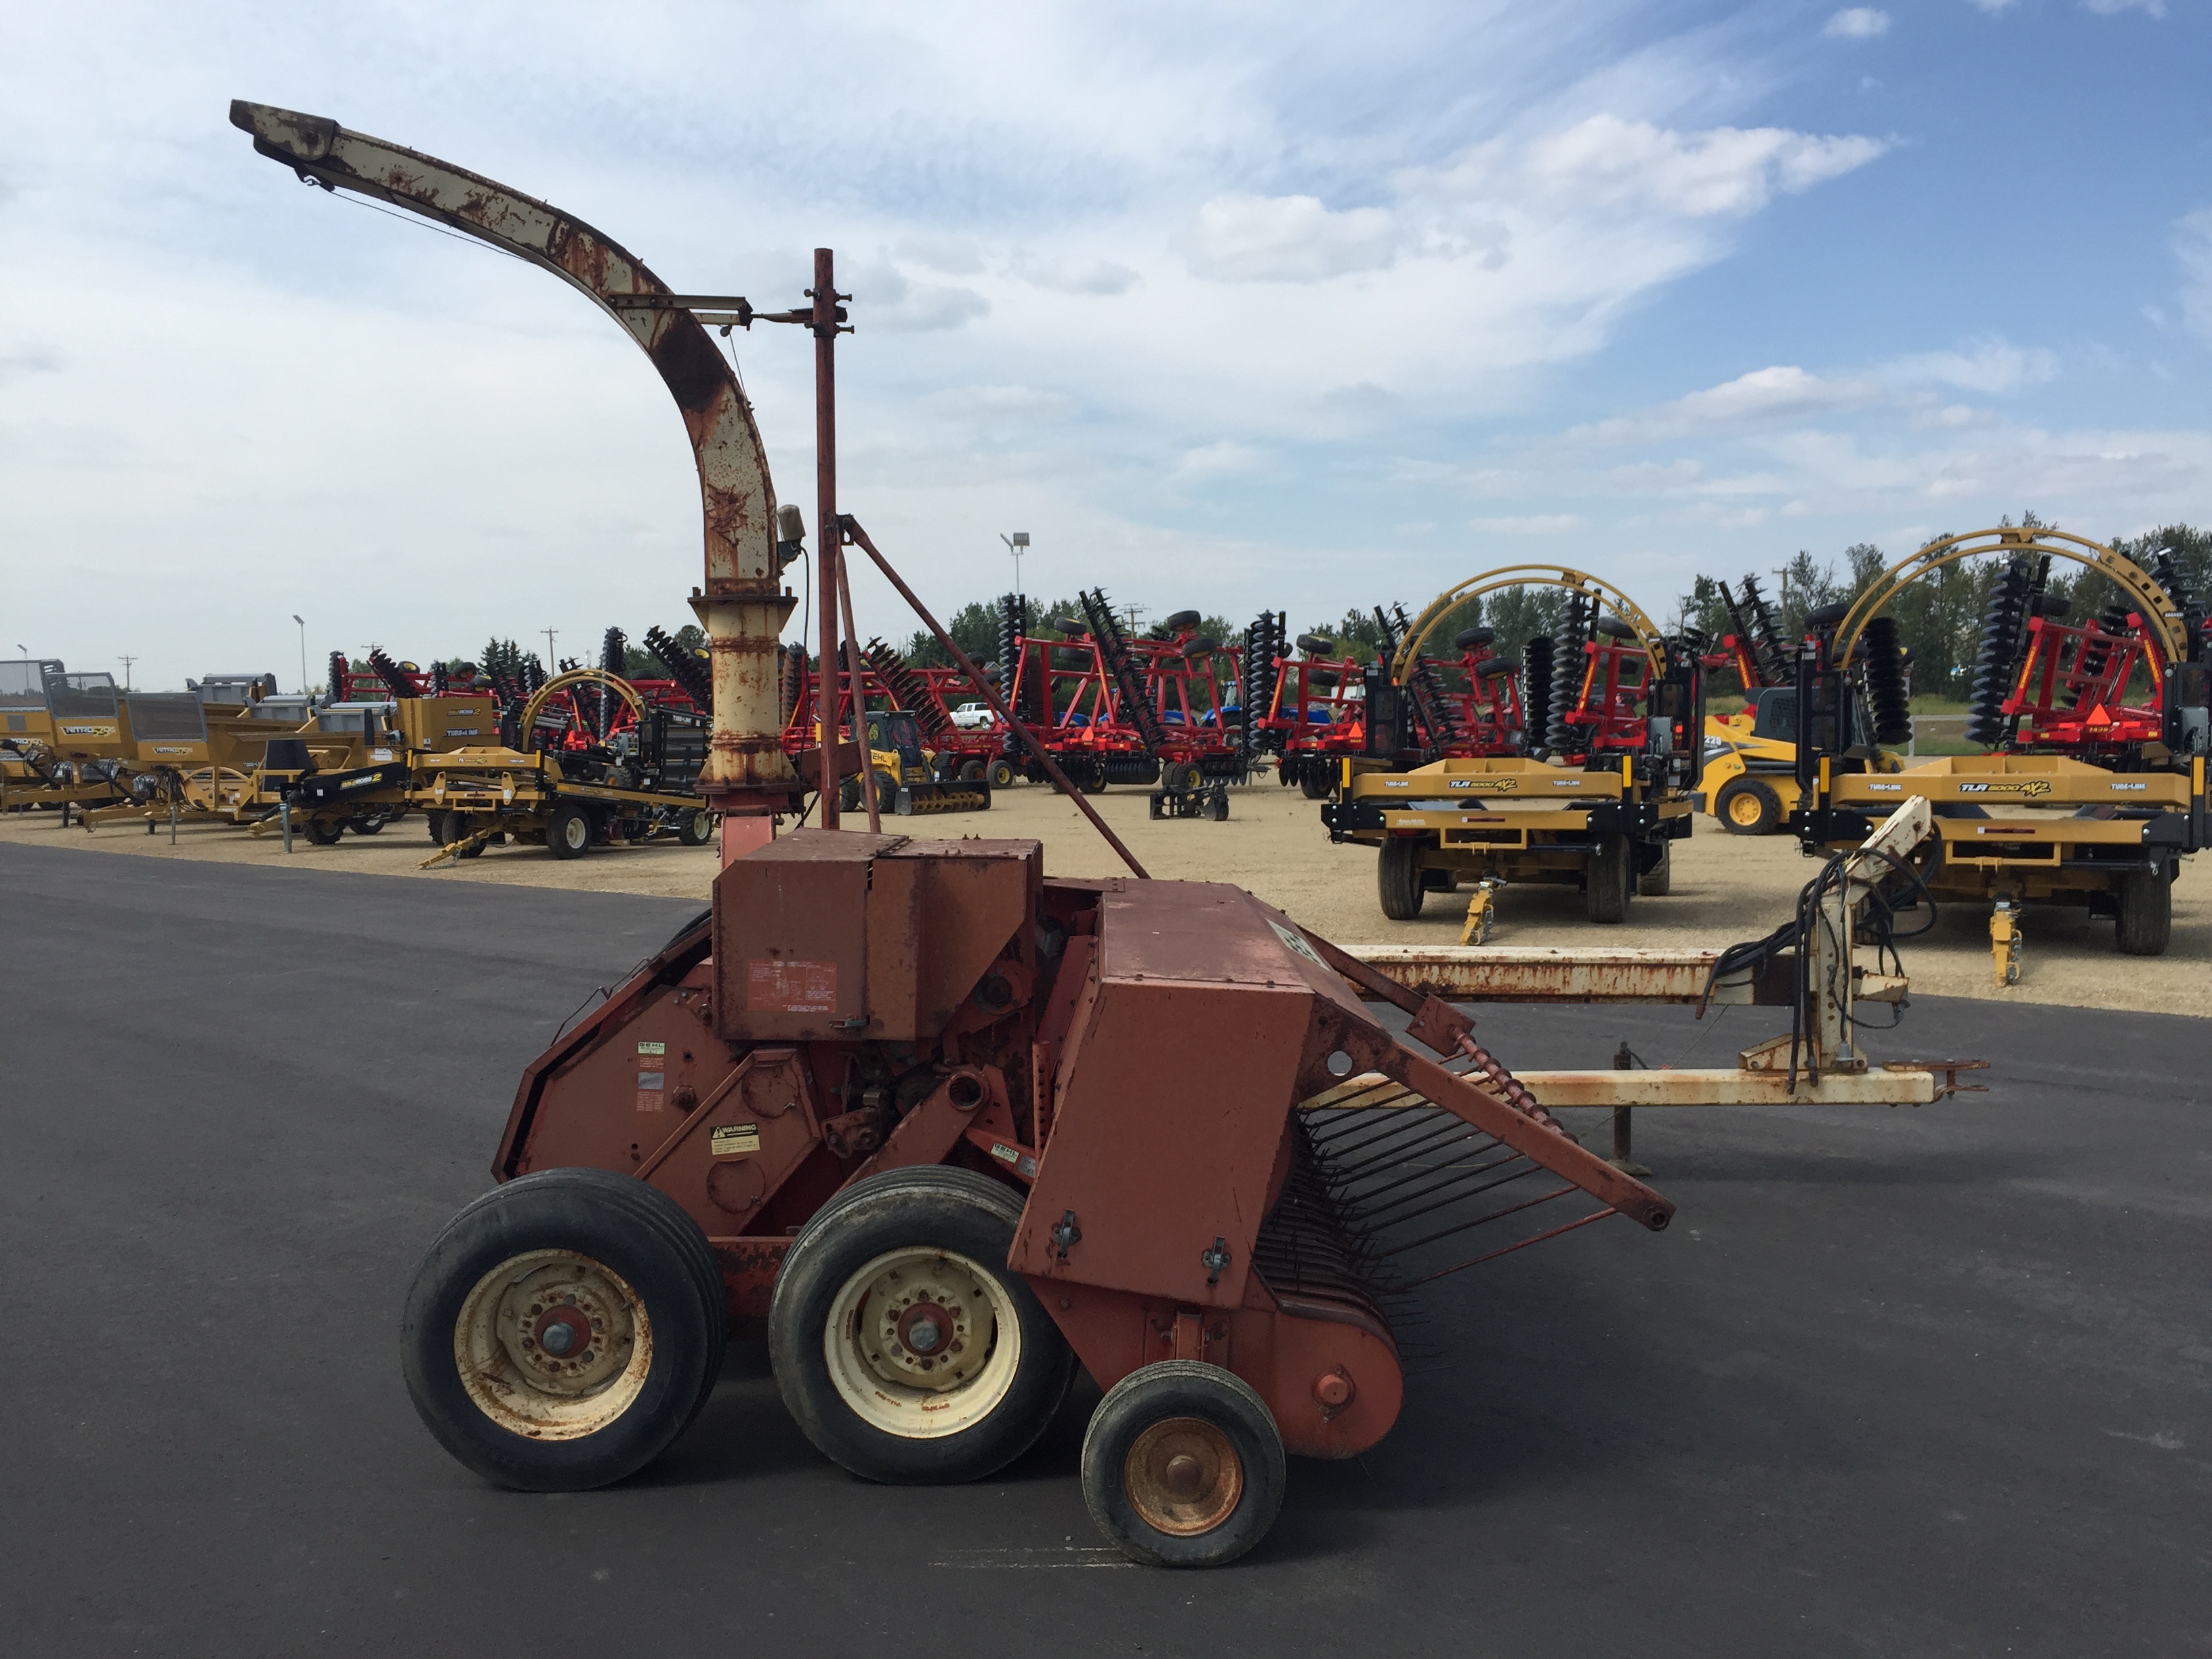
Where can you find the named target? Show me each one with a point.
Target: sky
(1230, 306)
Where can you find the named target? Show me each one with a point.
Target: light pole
(331, 693)
(1016, 544)
(552, 666)
(126, 662)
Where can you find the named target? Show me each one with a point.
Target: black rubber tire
(569, 832)
(1610, 880)
(1089, 777)
(932, 1205)
(1217, 808)
(1317, 781)
(849, 798)
(368, 823)
(436, 820)
(670, 1220)
(697, 828)
(474, 849)
(1181, 620)
(325, 832)
(1769, 808)
(1157, 1394)
(1659, 880)
(1002, 773)
(1398, 878)
(2143, 923)
(972, 771)
(616, 1221)
(689, 928)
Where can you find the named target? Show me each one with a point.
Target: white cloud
(1608, 162)
(1226, 459)
(1857, 23)
(1286, 239)
(2192, 247)
(1992, 8)
(1991, 367)
(2113, 8)
(1074, 276)
(955, 256)
(1534, 524)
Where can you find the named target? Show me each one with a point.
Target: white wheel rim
(576, 833)
(930, 1385)
(507, 1329)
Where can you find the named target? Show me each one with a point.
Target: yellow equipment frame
(1530, 575)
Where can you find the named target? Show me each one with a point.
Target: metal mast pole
(829, 542)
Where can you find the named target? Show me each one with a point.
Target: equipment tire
(1747, 807)
(1214, 1424)
(1398, 877)
(325, 832)
(972, 771)
(1317, 782)
(698, 829)
(462, 832)
(436, 819)
(1610, 880)
(368, 823)
(1089, 777)
(1659, 880)
(569, 831)
(949, 1232)
(2143, 925)
(1217, 808)
(669, 1218)
(695, 925)
(603, 1244)
(1001, 774)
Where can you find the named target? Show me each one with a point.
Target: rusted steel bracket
(742, 604)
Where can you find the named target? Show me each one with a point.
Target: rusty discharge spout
(741, 602)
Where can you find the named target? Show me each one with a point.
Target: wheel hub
(919, 1315)
(924, 1328)
(552, 1344)
(921, 1342)
(1184, 1476)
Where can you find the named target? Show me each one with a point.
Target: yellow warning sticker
(734, 1140)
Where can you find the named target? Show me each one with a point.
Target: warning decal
(791, 987)
(733, 1140)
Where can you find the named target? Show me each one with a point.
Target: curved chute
(742, 601)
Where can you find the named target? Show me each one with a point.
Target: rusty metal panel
(738, 1145)
(791, 937)
(970, 897)
(1174, 1103)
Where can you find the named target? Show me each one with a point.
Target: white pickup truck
(974, 717)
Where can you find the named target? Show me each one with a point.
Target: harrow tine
(1522, 1244)
(1485, 1220)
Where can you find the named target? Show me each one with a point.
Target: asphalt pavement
(1897, 1382)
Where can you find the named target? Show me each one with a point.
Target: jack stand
(1623, 1159)
(1481, 910)
(2005, 940)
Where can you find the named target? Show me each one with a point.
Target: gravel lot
(1727, 888)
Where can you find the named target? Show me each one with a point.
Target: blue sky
(1228, 307)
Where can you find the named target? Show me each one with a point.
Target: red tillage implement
(946, 1126)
